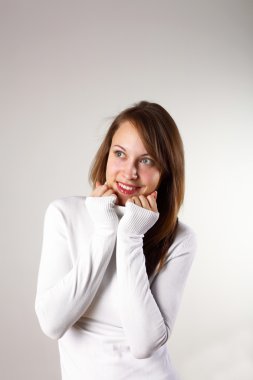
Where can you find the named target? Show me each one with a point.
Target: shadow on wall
(228, 359)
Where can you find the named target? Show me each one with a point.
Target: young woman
(114, 264)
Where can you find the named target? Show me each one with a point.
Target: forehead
(128, 134)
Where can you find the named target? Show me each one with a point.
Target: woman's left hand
(148, 202)
(140, 215)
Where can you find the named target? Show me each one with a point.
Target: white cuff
(102, 211)
(137, 220)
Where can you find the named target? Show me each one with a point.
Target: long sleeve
(148, 314)
(65, 289)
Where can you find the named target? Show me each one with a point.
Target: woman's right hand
(103, 191)
(100, 205)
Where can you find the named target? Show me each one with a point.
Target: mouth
(126, 189)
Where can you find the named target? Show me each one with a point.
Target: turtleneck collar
(120, 210)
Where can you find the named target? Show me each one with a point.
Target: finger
(97, 184)
(109, 192)
(99, 191)
(154, 194)
(137, 201)
(152, 201)
(144, 202)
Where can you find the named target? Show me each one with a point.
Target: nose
(130, 171)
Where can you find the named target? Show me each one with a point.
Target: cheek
(151, 179)
(112, 167)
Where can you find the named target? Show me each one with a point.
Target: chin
(122, 200)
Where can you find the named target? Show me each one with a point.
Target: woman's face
(130, 170)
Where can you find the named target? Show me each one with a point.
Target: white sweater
(112, 322)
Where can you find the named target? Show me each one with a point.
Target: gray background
(67, 67)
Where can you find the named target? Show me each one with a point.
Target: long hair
(163, 142)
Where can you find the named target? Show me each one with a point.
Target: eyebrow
(121, 147)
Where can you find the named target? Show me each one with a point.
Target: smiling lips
(126, 189)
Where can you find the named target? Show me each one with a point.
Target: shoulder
(68, 202)
(66, 207)
(185, 233)
(185, 242)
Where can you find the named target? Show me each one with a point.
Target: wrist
(102, 211)
(137, 220)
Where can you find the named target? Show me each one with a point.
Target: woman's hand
(100, 205)
(140, 215)
(148, 202)
(103, 191)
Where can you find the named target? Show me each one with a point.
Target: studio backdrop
(67, 68)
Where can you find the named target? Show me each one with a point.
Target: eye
(119, 153)
(147, 161)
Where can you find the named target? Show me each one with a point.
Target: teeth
(126, 187)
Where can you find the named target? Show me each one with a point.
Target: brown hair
(162, 140)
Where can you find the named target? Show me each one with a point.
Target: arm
(65, 290)
(148, 315)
